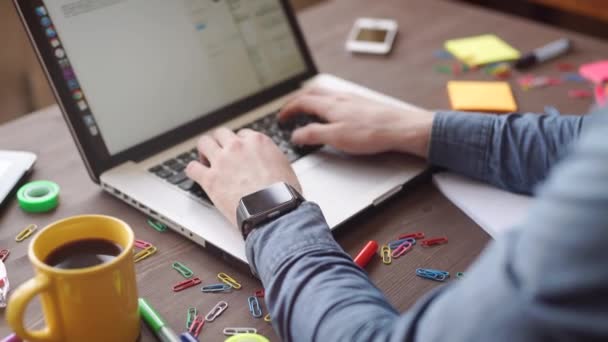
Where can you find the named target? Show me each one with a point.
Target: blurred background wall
(23, 87)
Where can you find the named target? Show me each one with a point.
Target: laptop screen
(137, 69)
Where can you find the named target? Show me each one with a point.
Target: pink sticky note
(596, 72)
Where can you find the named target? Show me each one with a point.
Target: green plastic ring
(38, 196)
(247, 338)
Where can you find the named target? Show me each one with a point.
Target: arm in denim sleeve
(538, 283)
(514, 152)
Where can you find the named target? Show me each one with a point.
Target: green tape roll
(38, 196)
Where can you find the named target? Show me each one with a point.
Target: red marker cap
(366, 253)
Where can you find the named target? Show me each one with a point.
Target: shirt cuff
(296, 232)
(461, 141)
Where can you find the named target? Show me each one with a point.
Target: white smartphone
(370, 35)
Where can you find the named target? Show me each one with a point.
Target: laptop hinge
(392, 192)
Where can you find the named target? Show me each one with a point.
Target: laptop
(138, 81)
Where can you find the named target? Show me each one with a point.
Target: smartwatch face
(267, 199)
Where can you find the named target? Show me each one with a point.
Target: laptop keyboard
(172, 170)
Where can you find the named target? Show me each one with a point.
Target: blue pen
(187, 337)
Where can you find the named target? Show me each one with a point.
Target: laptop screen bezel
(95, 154)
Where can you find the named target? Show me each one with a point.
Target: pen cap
(150, 316)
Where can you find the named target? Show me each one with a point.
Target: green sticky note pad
(480, 50)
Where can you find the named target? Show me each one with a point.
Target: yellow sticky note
(481, 96)
(480, 50)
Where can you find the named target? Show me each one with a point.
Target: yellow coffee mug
(97, 303)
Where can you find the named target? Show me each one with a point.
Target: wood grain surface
(407, 73)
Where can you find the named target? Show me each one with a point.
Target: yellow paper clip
(26, 232)
(141, 255)
(385, 253)
(267, 318)
(228, 280)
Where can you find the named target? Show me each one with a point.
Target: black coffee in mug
(83, 253)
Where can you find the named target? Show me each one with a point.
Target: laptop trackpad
(344, 185)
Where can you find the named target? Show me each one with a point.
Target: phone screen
(371, 35)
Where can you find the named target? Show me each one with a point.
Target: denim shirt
(546, 280)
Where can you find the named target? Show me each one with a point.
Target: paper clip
(186, 284)
(4, 254)
(416, 235)
(434, 241)
(385, 253)
(397, 243)
(158, 226)
(267, 318)
(26, 232)
(216, 288)
(196, 326)
(192, 313)
(216, 311)
(459, 275)
(141, 255)
(402, 249)
(236, 331)
(254, 307)
(228, 280)
(142, 244)
(182, 269)
(432, 274)
(259, 293)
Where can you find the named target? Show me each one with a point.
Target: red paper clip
(580, 93)
(186, 284)
(142, 244)
(417, 236)
(196, 326)
(565, 66)
(259, 293)
(434, 241)
(402, 249)
(4, 254)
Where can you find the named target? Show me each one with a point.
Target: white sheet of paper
(495, 210)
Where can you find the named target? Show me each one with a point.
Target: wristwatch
(265, 205)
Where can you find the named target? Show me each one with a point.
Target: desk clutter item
(182, 269)
(217, 310)
(4, 285)
(145, 253)
(26, 232)
(38, 196)
(436, 275)
(236, 331)
(247, 338)
(480, 50)
(228, 280)
(215, 288)
(182, 285)
(366, 254)
(481, 96)
(254, 307)
(158, 226)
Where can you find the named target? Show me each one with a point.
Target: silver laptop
(139, 81)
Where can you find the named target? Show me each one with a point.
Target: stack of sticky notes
(495, 97)
(480, 50)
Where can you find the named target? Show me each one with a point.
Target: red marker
(366, 253)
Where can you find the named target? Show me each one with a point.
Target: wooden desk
(406, 74)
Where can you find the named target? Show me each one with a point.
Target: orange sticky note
(481, 96)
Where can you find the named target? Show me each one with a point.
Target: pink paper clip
(402, 249)
(434, 241)
(196, 326)
(259, 293)
(4, 254)
(186, 284)
(142, 244)
(417, 236)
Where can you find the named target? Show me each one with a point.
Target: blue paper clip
(394, 244)
(216, 288)
(432, 274)
(254, 307)
(447, 274)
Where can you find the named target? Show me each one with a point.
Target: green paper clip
(182, 269)
(192, 312)
(459, 275)
(159, 227)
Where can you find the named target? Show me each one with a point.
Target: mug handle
(18, 303)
